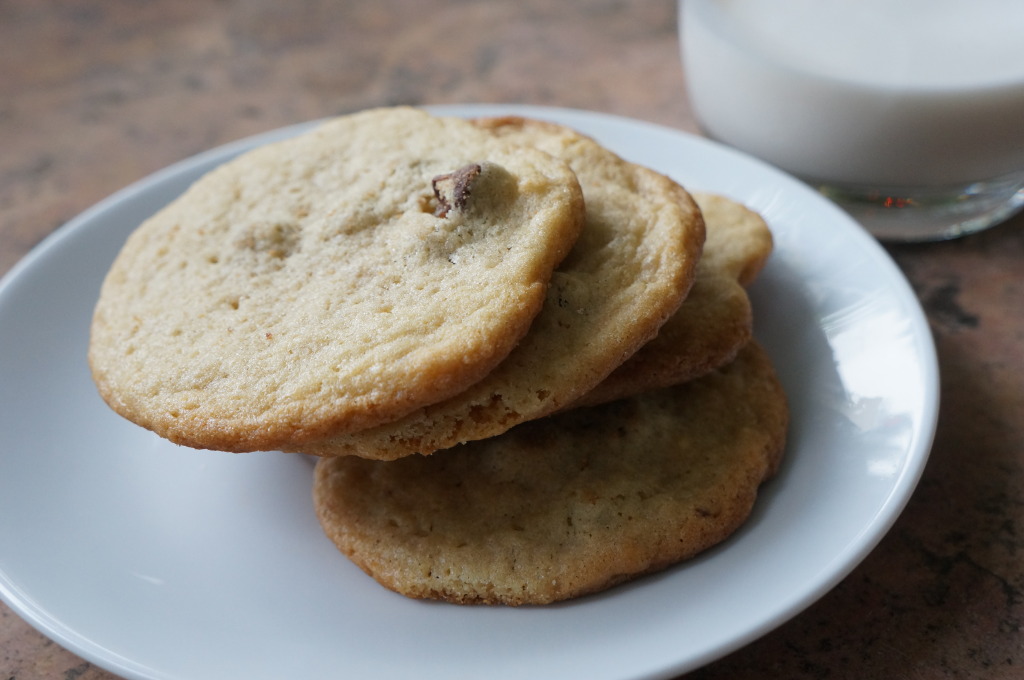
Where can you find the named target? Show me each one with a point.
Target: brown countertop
(95, 95)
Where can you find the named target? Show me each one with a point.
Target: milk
(879, 93)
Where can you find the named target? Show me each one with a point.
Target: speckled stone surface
(97, 94)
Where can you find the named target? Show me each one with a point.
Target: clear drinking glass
(908, 113)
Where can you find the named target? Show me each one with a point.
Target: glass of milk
(908, 113)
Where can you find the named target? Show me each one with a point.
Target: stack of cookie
(524, 363)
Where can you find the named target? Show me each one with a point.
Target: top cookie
(630, 270)
(384, 261)
(715, 321)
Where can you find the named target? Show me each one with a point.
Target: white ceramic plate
(154, 561)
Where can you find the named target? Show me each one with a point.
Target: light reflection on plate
(155, 561)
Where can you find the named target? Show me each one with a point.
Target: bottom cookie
(568, 505)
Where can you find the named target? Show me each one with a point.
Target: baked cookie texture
(384, 261)
(715, 321)
(567, 332)
(630, 270)
(568, 505)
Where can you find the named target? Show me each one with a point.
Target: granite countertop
(95, 95)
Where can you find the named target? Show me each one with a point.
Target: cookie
(716, 319)
(383, 261)
(628, 273)
(568, 505)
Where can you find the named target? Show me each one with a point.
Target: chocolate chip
(452, 189)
